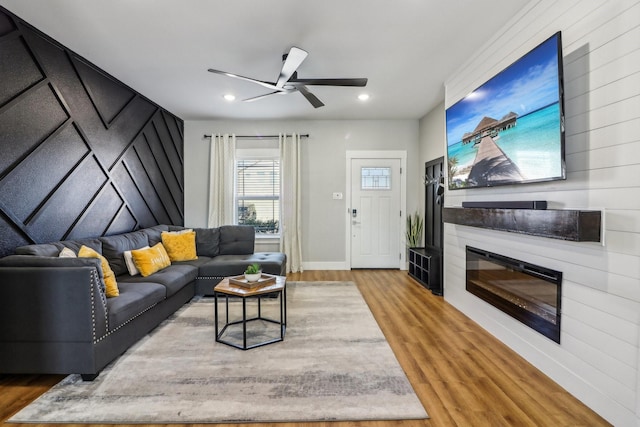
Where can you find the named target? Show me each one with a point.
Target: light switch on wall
(337, 196)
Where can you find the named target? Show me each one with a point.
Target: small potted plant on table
(253, 273)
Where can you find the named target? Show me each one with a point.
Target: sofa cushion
(134, 299)
(271, 262)
(207, 241)
(201, 260)
(75, 245)
(173, 278)
(154, 233)
(113, 248)
(237, 239)
(232, 265)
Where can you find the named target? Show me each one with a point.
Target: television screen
(511, 129)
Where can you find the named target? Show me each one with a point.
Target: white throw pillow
(67, 253)
(131, 266)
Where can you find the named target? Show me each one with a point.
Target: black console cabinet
(424, 266)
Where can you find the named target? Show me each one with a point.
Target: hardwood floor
(462, 375)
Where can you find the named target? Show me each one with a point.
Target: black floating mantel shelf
(565, 224)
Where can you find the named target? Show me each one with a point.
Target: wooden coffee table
(278, 288)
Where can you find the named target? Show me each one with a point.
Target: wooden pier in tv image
(491, 164)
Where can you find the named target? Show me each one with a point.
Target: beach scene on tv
(509, 129)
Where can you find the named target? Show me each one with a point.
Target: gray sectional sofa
(55, 317)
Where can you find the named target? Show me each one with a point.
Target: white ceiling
(163, 48)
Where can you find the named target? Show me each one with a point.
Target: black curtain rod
(305, 135)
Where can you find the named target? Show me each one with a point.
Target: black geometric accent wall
(81, 154)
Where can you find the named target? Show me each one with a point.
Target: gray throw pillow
(207, 241)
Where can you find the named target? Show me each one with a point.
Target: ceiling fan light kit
(288, 81)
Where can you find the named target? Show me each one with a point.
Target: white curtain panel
(290, 201)
(221, 179)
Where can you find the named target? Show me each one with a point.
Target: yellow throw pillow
(128, 260)
(181, 245)
(150, 260)
(111, 285)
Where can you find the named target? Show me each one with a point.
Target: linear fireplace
(526, 292)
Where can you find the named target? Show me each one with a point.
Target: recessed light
(363, 96)
(230, 97)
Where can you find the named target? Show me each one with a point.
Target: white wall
(432, 141)
(432, 134)
(324, 172)
(598, 358)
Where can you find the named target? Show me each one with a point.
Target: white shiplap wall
(598, 359)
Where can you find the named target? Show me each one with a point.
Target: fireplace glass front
(526, 292)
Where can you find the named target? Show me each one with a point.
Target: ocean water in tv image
(534, 145)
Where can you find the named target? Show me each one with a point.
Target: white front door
(375, 213)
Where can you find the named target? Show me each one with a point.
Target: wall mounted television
(510, 130)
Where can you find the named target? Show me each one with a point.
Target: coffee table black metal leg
(282, 315)
(215, 299)
(259, 307)
(226, 308)
(244, 323)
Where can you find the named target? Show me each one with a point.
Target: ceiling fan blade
(310, 97)
(255, 98)
(329, 82)
(268, 85)
(291, 64)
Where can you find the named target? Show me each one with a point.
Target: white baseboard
(333, 265)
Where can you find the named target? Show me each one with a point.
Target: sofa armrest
(51, 304)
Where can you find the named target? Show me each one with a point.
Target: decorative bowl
(253, 277)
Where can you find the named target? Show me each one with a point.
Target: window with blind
(258, 194)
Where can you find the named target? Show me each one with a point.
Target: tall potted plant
(414, 230)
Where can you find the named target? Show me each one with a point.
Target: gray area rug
(334, 364)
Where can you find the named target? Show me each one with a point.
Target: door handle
(354, 222)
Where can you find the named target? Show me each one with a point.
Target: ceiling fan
(288, 81)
